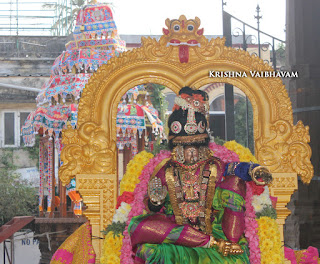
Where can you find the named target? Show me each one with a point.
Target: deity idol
(196, 202)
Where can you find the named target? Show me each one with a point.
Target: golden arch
(90, 150)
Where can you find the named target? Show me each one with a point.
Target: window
(9, 135)
(10, 127)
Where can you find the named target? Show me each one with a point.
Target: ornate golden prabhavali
(179, 59)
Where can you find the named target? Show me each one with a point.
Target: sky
(148, 16)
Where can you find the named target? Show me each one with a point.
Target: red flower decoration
(184, 96)
(175, 107)
(198, 97)
(256, 189)
(126, 197)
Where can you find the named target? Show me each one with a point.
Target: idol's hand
(261, 172)
(235, 249)
(224, 247)
(157, 192)
(227, 248)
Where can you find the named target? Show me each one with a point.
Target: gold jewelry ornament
(225, 247)
(179, 154)
(213, 242)
(204, 153)
(189, 140)
(201, 127)
(261, 172)
(176, 127)
(157, 193)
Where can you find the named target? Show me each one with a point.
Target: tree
(17, 196)
(281, 55)
(66, 15)
(159, 102)
(67, 12)
(158, 99)
(240, 112)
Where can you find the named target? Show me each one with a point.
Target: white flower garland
(121, 214)
(262, 200)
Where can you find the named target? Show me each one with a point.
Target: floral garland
(135, 166)
(244, 153)
(270, 244)
(138, 205)
(113, 239)
(111, 248)
(224, 153)
(251, 227)
(259, 217)
(261, 229)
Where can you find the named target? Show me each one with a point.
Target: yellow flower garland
(111, 249)
(244, 153)
(135, 166)
(112, 244)
(270, 244)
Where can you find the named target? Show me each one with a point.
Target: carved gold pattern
(282, 187)
(279, 144)
(287, 149)
(150, 63)
(87, 150)
(210, 194)
(173, 198)
(99, 193)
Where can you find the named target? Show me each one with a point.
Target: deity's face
(191, 154)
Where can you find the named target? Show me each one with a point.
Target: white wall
(26, 249)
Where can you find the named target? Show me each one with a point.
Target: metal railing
(266, 49)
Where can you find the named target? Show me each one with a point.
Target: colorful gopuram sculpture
(95, 41)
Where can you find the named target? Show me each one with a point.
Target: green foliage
(269, 211)
(219, 141)
(158, 99)
(7, 159)
(158, 146)
(281, 55)
(240, 121)
(17, 196)
(117, 229)
(34, 151)
(159, 102)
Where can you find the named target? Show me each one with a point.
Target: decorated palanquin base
(178, 59)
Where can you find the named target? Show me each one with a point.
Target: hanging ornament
(201, 127)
